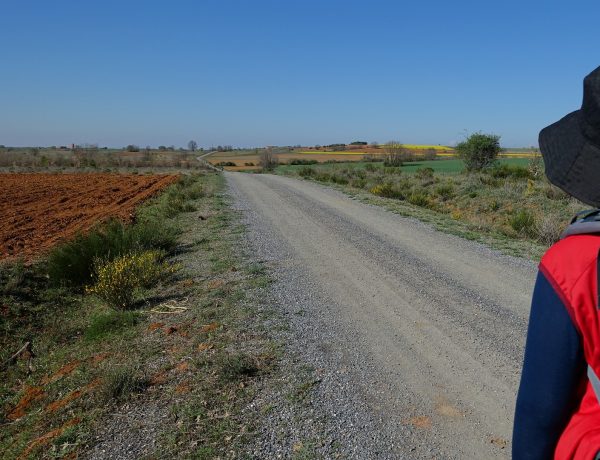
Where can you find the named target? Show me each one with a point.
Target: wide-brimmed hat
(571, 147)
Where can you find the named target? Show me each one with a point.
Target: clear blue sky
(255, 72)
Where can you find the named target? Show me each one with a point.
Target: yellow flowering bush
(119, 280)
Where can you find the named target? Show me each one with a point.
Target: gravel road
(417, 336)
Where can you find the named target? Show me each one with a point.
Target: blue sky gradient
(252, 73)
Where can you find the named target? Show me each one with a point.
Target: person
(557, 412)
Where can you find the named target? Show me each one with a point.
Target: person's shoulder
(567, 260)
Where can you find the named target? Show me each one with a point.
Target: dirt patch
(421, 421)
(209, 327)
(37, 211)
(46, 438)
(65, 370)
(59, 404)
(155, 326)
(31, 395)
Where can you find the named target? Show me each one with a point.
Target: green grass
(110, 322)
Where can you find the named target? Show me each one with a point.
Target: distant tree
(132, 148)
(2, 146)
(479, 151)
(395, 153)
(358, 143)
(162, 148)
(267, 160)
(192, 145)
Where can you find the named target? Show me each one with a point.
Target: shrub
(323, 177)
(523, 222)
(299, 161)
(370, 167)
(306, 172)
(424, 173)
(548, 229)
(503, 171)
(536, 166)
(358, 183)
(267, 160)
(72, 263)
(339, 179)
(387, 190)
(419, 199)
(119, 280)
(479, 150)
(445, 191)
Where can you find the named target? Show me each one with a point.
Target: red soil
(37, 211)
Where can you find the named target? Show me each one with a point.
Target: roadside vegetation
(145, 314)
(508, 199)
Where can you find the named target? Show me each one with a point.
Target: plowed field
(39, 210)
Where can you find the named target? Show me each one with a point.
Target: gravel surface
(403, 342)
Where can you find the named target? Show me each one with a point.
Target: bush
(523, 223)
(118, 281)
(445, 191)
(267, 160)
(479, 151)
(298, 161)
(306, 172)
(548, 229)
(419, 199)
(387, 190)
(503, 171)
(424, 173)
(72, 264)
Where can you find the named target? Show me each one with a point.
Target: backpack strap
(584, 222)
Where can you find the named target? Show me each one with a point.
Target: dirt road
(418, 335)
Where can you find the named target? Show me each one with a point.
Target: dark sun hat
(571, 147)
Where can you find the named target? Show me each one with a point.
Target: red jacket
(571, 266)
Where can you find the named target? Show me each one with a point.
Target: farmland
(249, 159)
(39, 210)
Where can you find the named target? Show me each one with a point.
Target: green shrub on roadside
(72, 263)
(502, 171)
(419, 199)
(424, 173)
(523, 222)
(387, 190)
(445, 191)
(119, 281)
(306, 171)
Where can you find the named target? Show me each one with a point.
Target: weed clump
(122, 382)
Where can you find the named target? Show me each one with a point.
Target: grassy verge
(511, 207)
(180, 343)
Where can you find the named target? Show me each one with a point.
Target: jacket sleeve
(553, 370)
